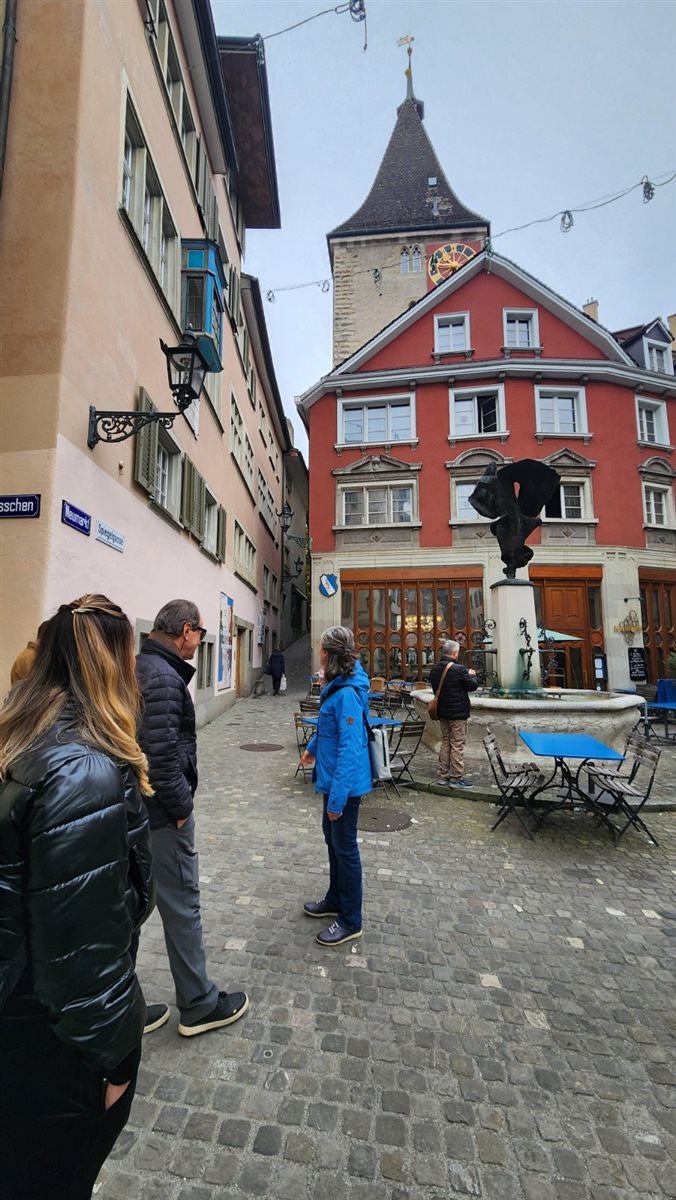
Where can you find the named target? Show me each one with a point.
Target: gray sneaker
(460, 783)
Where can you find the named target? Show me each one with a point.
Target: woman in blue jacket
(342, 774)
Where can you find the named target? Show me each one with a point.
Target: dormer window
(658, 357)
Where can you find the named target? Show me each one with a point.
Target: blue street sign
(20, 506)
(76, 518)
(328, 585)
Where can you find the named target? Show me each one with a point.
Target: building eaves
(242, 62)
(212, 71)
(258, 332)
(401, 198)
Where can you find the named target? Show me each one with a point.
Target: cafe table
(567, 749)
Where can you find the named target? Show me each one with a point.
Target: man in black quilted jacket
(453, 711)
(168, 738)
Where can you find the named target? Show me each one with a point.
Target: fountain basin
(607, 716)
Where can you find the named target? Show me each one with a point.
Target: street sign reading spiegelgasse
(20, 506)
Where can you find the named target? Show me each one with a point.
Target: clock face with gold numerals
(446, 259)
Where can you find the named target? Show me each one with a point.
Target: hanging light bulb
(566, 221)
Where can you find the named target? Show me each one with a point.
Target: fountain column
(514, 603)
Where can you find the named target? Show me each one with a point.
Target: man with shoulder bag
(452, 683)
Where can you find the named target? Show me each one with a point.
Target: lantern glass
(186, 369)
(285, 516)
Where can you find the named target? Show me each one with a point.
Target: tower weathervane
(406, 41)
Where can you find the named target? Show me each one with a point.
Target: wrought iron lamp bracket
(526, 651)
(111, 426)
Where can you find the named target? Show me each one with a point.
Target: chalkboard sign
(636, 663)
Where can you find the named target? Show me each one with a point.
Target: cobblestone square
(504, 1029)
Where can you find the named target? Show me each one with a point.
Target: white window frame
(446, 320)
(654, 344)
(586, 503)
(377, 485)
(352, 402)
(244, 556)
(454, 394)
(210, 536)
(661, 421)
(170, 499)
(416, 260)
(459, 514)
(522, 314)
(665, 490)
(404, 261)
(142, 200)
(579, 395)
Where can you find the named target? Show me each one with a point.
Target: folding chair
(515, 784)
(625, 797)
(645, 722)
(404, 751)
(309, 705)
(377, 704)
(303, 734)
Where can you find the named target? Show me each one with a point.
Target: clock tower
(410, 234)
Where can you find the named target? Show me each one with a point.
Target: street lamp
(299, 564)
(186, 368)
(285, 518)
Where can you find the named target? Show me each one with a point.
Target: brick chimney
(591, 308)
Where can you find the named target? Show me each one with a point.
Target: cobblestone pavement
(504, 1029)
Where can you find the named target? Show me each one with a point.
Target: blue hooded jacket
(340, 745)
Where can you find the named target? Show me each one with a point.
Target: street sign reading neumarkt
(20, 506)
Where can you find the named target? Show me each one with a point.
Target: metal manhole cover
(261, 747)
(382, 820)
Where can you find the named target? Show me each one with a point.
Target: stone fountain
(513, 497)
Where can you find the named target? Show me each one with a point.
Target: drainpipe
(8, 40)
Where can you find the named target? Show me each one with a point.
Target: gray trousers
(176, 869)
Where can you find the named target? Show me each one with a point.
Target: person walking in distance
(453, 710)
(168, 738)
(277, 668)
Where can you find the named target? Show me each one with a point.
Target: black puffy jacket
(454, 699)
(167, 731)
(75, 881)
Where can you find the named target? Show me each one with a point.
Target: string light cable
(564, 216)
(356, 9)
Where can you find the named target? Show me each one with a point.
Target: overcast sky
(532, 107)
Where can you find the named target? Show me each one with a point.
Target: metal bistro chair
(625, 795)
(646, 721)
(309, 705)
(377, 704)
(515, 783)
(303, 734)
(404, 751)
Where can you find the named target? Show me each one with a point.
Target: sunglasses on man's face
(201, 630)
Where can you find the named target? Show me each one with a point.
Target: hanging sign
(328, 585)
(637, 672)
(76, 518)
(20, 506)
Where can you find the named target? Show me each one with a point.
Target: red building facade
(492, 366)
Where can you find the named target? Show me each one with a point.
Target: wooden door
(572, 606)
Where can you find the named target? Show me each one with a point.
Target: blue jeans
(345, 893)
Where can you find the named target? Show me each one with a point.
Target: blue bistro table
(564, 748)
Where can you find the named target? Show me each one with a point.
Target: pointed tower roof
(410, 191)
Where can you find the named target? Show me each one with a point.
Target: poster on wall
(226, 623)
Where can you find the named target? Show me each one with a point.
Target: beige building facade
(127, 192)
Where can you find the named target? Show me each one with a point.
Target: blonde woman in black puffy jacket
(75, 883)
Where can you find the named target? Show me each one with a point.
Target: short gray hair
(174, 615)
(338, 642)
(450, 648)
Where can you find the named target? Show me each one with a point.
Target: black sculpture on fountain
(514, 513)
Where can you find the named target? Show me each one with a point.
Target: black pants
(54, 1131)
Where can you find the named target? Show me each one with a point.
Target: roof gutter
(251, 284)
